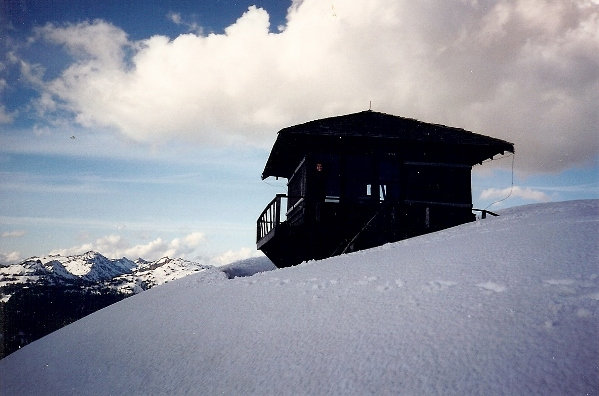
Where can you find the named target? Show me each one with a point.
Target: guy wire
(511, 188)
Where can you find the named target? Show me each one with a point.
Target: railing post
(277, 211)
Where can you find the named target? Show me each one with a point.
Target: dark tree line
(36, 310)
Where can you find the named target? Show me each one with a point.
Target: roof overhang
(374, 131)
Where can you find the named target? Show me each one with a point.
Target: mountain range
(92, 269)
(42, 294)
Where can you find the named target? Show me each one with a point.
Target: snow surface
(507, 305)
(247, 267)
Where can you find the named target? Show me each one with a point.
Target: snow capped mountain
(506, 305)
(92, 268)
(148, 274)
(43, 294)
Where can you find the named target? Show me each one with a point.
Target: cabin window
(382, 191)
(389, 177)
(333, 178)
(372, 177)
(360, 178)
(438, 183)
(297, 186)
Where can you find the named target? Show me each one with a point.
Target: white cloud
(13, 234)
(177, 19)
(9, 258)
(527, 193)
(191, 247)
(6, 117)
(115, 246)
(94, 43)
(523, 70)
(231, 256)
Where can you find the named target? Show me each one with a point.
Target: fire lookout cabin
(361, 180)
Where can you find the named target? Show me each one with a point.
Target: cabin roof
(371, 130)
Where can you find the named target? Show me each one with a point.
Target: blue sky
(142, 128)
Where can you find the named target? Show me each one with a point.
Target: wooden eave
(375, 131)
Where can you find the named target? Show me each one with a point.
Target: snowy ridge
(92, 268)
(507, 305)
(149, 274)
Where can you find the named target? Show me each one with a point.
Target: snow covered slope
(508, 305)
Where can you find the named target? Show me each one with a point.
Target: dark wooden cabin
(361, 180)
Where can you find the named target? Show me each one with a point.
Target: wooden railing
(484, 213)
(270, 217)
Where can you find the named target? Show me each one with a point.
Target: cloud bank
(13, 234)
(190, 247)
(9, 258)
(522, 70)
(115, 246)
(526, 193)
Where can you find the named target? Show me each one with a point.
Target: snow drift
(507, 305)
